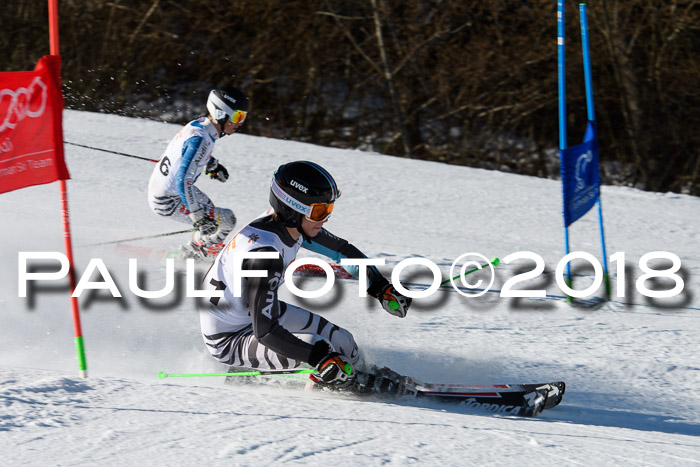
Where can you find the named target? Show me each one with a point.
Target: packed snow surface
(631, 364)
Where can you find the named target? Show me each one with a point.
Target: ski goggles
(238, 116)
(320, 212)
(316, 212)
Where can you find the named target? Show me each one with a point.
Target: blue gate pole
(591, 116)
(562, 115)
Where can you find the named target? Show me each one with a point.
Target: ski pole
(167, 234)
(113, 152)
(163, 375)
(494, 261)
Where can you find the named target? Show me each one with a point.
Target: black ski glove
(392, 301)
(333, 368)
(216, 170)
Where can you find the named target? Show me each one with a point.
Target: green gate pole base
(82, 361)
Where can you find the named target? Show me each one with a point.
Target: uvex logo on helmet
(299, 186)
(299, 207)
(229, 97)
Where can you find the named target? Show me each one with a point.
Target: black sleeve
(266, 309)
(335, 247)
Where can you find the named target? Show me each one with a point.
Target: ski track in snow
(631, 364)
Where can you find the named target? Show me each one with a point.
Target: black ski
(526, 400)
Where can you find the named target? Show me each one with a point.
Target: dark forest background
(466, 82)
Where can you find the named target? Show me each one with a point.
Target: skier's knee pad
(227, 220)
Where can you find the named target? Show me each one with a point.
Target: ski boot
(383, 381)
(200, 251)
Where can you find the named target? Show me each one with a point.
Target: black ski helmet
(296, 187)
(224, 101)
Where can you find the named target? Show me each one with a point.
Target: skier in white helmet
(171, 189)
(257, 330)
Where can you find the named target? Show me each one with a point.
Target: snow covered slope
(631, 365)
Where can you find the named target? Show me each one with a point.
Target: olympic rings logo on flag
(20, 103)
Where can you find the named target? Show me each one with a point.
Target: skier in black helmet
(171, 189)
(257, 330)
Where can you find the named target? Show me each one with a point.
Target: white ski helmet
(227, 103)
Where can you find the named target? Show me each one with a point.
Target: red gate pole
(79, 344)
